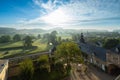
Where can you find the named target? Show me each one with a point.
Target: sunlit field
(15, 49)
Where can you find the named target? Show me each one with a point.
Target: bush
(26, 70)
(43, 62)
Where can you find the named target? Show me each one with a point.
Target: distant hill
(61, 30)
(31, 31)
(39, 31)
(116, 30)
(7, 30)
(20, 31)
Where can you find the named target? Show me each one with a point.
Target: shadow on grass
(11, 48)
(19, 47)
(2, 44)
(24, 50)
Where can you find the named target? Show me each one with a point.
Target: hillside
(38, 31)
(7, 30)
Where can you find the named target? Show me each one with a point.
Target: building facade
(95, 55)
(113, 58)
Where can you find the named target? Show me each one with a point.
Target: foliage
(51, 38)
(39, 36)
(68, 52)
(43, 62)
(16, 37)
(40, 70)
(76, 37)
(59, 39)
(26, 70)
(110, 43)
(5, 39)
(58, 72)
(28, 41)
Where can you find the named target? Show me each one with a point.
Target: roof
(116, 49)
(90, 49)
(100, 53)
(2, 64)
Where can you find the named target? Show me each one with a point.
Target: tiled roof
(90, 49)
(116, 50)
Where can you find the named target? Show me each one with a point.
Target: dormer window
(93, 54)
(117, 50)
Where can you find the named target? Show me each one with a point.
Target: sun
(56, 17)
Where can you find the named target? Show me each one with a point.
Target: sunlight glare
(56, 17)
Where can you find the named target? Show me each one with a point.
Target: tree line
(16, 37)
(107, 42)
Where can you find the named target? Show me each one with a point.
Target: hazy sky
(83, 14)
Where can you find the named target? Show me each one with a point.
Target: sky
(73, 14)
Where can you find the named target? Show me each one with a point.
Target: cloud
(49, 5)
(80, 12)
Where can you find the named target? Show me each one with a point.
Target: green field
(13, 49)
(16, 48)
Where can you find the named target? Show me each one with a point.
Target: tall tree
(53, 37)
(5, 38)
(59, 40)
(28, 41)
(39, 36)
(16, 37)
(69, 52)
(76, 37)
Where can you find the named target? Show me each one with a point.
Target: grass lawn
(66, 37)
(15, 49)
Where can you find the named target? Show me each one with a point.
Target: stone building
(95, 55)
(113, 58)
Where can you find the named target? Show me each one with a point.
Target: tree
(51, 38)
(26, 70)
(45, 36)
(39, 36)
(76, 37)
(110, 43)
(5, 38)
(28, 41)
(68, 52)
(16, 37)
(43, 62)
(59, 40)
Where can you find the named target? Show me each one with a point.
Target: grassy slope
(13, 51)
(15, 48)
